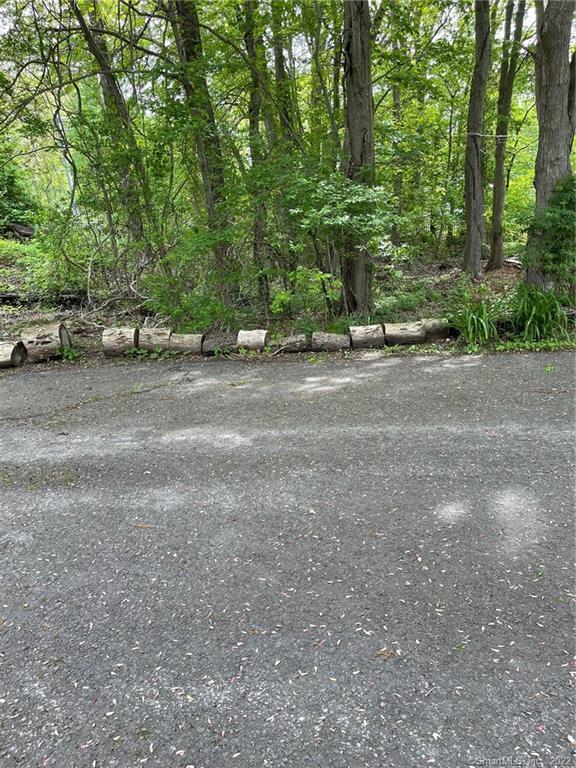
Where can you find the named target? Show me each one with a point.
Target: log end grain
(13, 354)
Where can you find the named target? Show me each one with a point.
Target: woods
(225, 164)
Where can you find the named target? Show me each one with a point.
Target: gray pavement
(356, 563)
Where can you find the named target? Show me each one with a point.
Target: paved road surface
(222, 564)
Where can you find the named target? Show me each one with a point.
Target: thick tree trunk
(473, 169)
(358, 161)
(186, 27)
(508, 70)
(555, 98)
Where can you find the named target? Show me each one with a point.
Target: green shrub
(476, 317)
(312, 292)
(538, 315)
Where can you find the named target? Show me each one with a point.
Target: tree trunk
(186, 27)
(473, 169)
(508, 70)
(253, 44)
(555, 97)
(133, 174)
(283, 91)
(358, 161)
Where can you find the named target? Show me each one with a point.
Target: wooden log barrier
(152, 339)
(366, 336)
(296, 343)
(44, 342)
(404, 333)
(219, 343)
(329, 342)
(436, 329)
(116, 341)
(253, 340)
(13, 354)
(186, 342)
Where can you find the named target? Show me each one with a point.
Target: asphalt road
(353, 563)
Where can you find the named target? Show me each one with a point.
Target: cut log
(186, 342)
(254, 340)
(435, 329)
(154, 338)
(219, 343)
(329, 342)
(116, 341)
(13, 354)
(297, 343)
(404, 333)
(366, 336)
(44, 342)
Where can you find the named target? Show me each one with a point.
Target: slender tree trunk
(283, 88)
(186, 26)
(398, 179)
(117, 109)
(473, 169)
(358, 161)
(253, 43)
(508, 70)
(555, 101)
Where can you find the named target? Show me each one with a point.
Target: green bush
(312, 292)
(538, 315)
(476, 317)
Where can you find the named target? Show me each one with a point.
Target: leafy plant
(475, 319)
(538, 314)
(69, 354)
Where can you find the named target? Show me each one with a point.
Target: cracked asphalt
(224, 563)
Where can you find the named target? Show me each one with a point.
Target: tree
(508, 69)
(556, 109)
(186, 27)
(358, 162)
(473, 168)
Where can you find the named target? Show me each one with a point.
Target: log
(219, 343)
(44, 342)
(253, 340)
(186, 342)
(329, 342)
(296, 343)
(116, 341)
(404, 333)
(435, 329)
(154, 338)
(13, 354)
(366, 336)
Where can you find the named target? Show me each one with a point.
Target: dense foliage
(189, 156)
